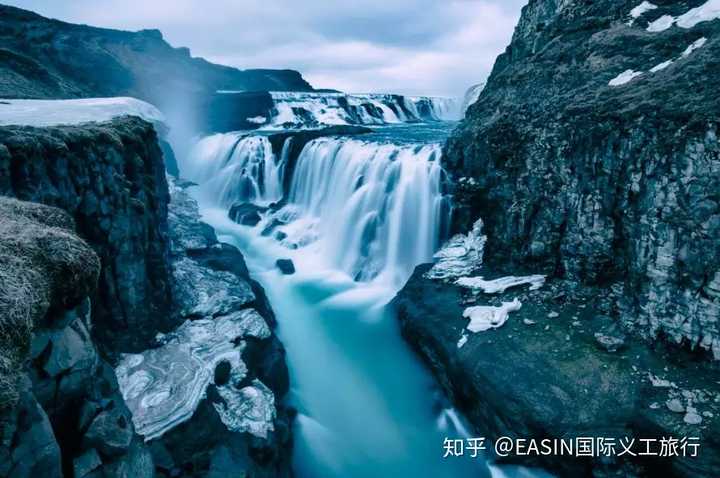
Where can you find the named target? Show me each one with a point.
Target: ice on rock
(163, 386)
(661, 24)
(55, 112)
(661, 66)
(250, 409)
(694, 46)
(463, 340)
(624, 77)
(706, 12)
(500, 285)
(485, 317)
(641, 9)
(460, 256)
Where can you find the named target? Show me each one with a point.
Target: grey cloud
(404, 46)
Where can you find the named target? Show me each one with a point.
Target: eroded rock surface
(214, 384)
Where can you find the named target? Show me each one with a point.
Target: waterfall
(377, 208)
(294, 109)
(372, 210)
(236, 168)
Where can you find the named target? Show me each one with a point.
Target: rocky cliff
(147, 277)
(61, 412)
(592, 157)
(110, 177)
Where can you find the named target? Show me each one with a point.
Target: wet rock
(610, 340)
(246, 214)
(187, 232)
(286, 266)
(31, 449)
(222, 373)
(111, 432)
(86, 463)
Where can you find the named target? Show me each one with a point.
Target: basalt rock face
(45, 58)
(61, 412)
(110, 178)
(601, 181)
(225, 415)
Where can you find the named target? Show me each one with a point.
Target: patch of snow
(661, 24)
(257, 120)
(502, 284)
(485, 317)
(706, 12)
(661, 66)
(659, 382)
(463, 340)
(710, 10)
(624, 77)
(460, 255)
(695, 45)
(641, 9)
(55, 112)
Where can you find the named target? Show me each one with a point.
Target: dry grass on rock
(43, 264)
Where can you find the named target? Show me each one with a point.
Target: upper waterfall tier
(314, 109)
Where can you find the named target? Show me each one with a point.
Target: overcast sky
(437, 47)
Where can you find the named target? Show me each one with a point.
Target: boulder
(286, 266)
(246, 214)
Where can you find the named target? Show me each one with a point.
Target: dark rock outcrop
(543, 375)
(62, 409)
(247, 214)
(600, 182)
(286, 266)
(227, 403)
(110, 178)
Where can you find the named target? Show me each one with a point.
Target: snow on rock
(460, 255)
(695, 45)
(500, 285)
(661, 24)
(257, 120)
(710, 10)
(463, 340)
(485, 317)
(641, 9)
(56, 112)
(706, 12)
(624, 77)
(661, 66)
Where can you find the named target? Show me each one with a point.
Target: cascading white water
(237, 168)
(377, 207)
(372, 210)
(312, 109)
